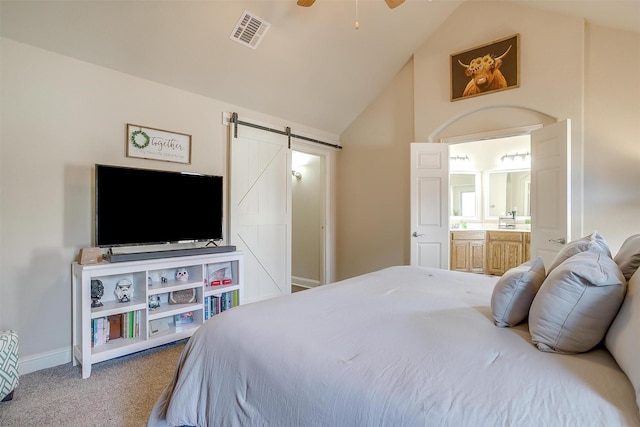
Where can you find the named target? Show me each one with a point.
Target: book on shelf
(236, 296)
(218, 303)
(207, 311)
(100, 327)
(125, 317)
(134, 330)
(131, 324)
(114, 326)
(228, 300)
(100, 331)
(219, 274)
(224, 302)
(94, 332)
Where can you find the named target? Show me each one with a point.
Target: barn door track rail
(287, 131)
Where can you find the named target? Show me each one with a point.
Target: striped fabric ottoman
(8, 364)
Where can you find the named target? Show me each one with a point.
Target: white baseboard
(45, 360)
(303, 282)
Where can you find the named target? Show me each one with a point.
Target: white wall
(567, 71)
(60, 116)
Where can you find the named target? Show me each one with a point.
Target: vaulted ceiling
(312, 67)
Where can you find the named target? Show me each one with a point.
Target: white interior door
(260, 210)
(429, 201)
(550, 190)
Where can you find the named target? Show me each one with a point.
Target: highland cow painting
(486, 69)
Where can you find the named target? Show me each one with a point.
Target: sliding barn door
(260, 210)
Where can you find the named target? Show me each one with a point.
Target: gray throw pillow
(628, 257)
(622, 338)
(576, 303)
(592, 242)
(514, 292)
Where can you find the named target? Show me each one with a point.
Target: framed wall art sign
(486, 69)
(158, 144)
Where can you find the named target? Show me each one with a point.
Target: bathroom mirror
(464, 194)
(509, 191)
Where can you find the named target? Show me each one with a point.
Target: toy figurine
(97, 291)
(182, 275)
(124, 290)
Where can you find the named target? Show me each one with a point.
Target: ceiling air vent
(250, 30)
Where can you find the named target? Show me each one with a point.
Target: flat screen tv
(144, 206)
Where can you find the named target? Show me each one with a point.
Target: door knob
(415, 234)
(560, 240)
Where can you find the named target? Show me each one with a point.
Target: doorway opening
(490, 180)
(308, 235)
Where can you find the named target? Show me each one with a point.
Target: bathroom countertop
(489, 228)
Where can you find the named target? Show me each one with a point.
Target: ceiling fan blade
(390, 3)
(306, 3)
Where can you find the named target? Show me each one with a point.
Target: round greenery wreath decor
(144, 135)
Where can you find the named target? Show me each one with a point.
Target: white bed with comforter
(404, 346)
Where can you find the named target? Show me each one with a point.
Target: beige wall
(59, 117)
(373, 186)
(551, 70)
(612, 134)
(306, 222)
(564, 74)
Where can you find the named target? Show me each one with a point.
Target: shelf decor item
(182, 274)
(158, 144)
(154, 303)
(124, 290)
(486, 69)
(183, 318)
(186, 296)
(97, 291)
(220, 274)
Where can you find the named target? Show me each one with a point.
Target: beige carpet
(119, 392)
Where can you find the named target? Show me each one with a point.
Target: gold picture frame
(489, 68)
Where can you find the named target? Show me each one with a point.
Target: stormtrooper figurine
(124, 290)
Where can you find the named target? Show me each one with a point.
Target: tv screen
(143, 206)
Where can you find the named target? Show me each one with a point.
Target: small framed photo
(488, 68)
(157, 144)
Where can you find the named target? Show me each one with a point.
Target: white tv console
(154, 281)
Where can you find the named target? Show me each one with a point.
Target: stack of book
(125, 325)
(218, 303)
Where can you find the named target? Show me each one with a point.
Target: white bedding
(404, 346)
